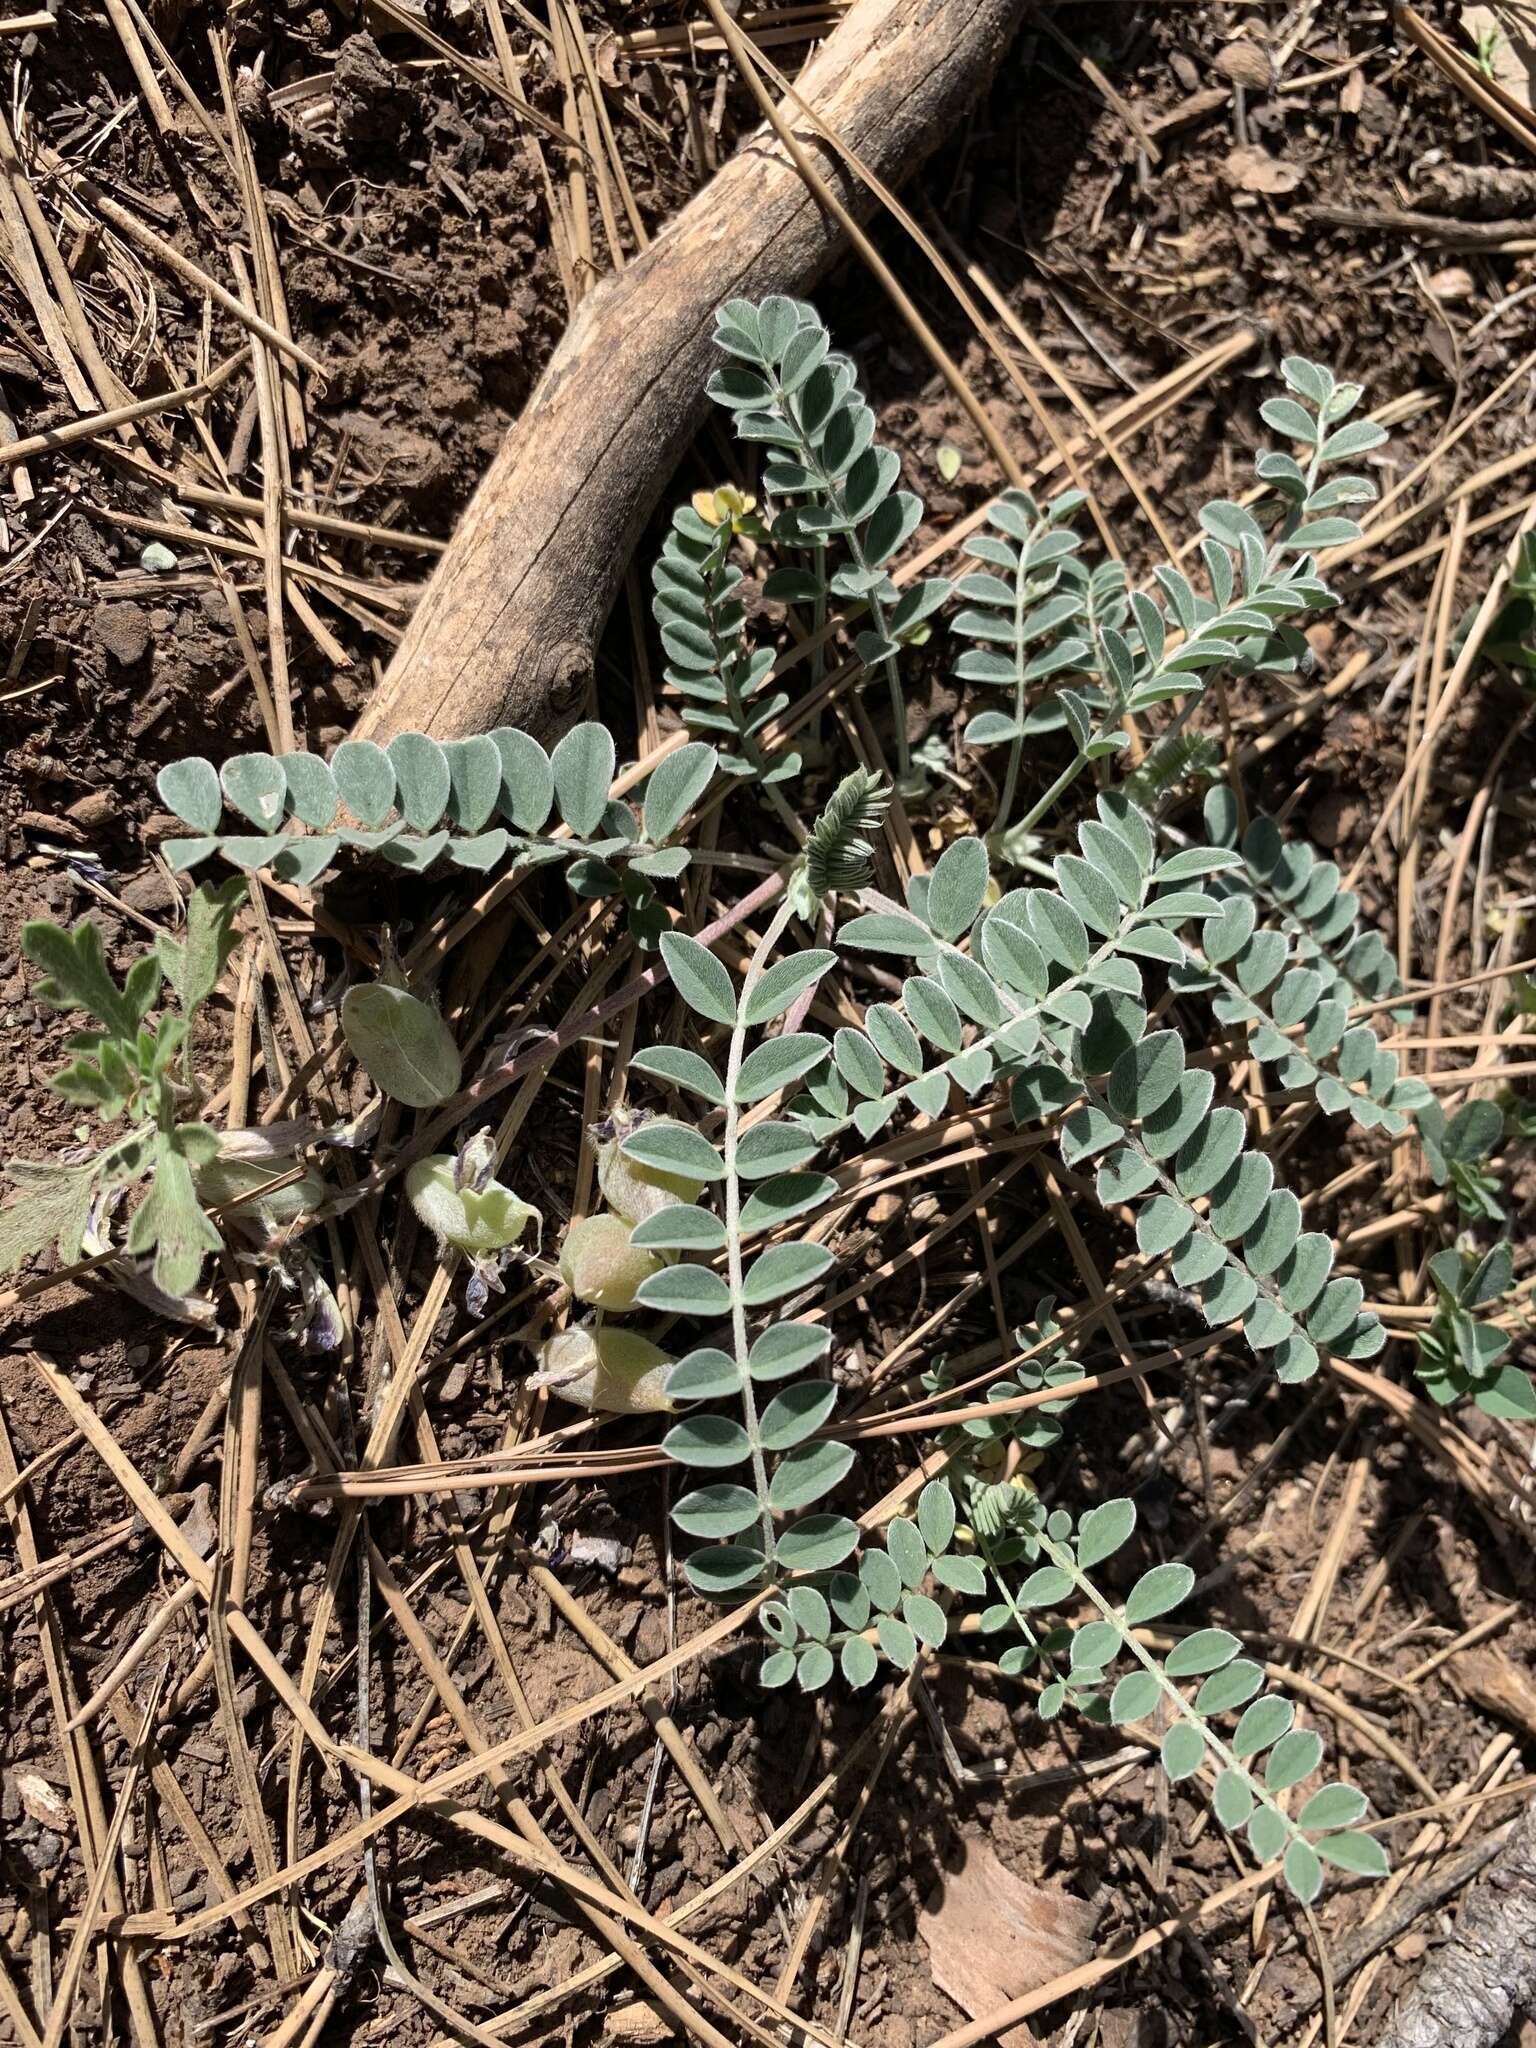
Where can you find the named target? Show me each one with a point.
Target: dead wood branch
(507, 629)
(1472, 1988)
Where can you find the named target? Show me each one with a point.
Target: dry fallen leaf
(1352, 93)
(991, 1937)
(1252, 169)
(1246, 64)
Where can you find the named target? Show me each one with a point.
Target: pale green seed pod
(634, 1191)
(223, 1180)
(600, 1265)
(473, 1221)
(612, 1371)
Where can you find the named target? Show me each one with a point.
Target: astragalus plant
(1097, 956)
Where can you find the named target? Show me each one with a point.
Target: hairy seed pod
(600, 1265)
(634, 1191)
(472, 1220)
(224, 1179)
(612, 1371)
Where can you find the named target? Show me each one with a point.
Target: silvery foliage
(836, 505)
(472, 802)
(1029, 1560)
(1044, 992)
(1074, 646)
(1108, 1671)
(1047, 993)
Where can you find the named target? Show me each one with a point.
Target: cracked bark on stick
(507, 629)
(1471, 1989)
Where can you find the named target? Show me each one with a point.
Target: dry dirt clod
(1251, 168)
(373, 102)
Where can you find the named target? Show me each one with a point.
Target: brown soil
(418, 264)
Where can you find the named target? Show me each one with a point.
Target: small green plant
(1097, 957)
(126, 1069)
(1462, 1357)
(1459, 1149)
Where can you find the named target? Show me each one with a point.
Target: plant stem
(734, 1280)
(1016, 748)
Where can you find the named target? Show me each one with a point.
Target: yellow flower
(725, 506)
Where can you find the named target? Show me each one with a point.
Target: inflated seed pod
(224, 1179)
(473, 1220)
(613, 1371)
(600, 1265)
(631, 1190)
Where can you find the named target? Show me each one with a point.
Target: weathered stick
(507, 629)
(1471, 1989)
